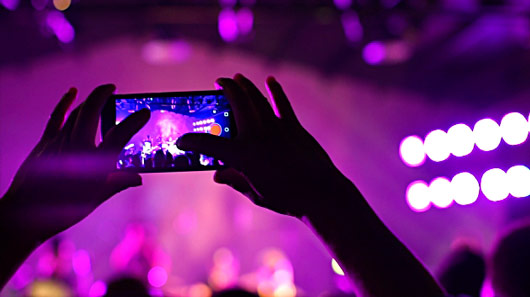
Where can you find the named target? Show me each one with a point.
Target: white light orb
(418, 196)
(514, 128)
(411, 151)
(464, 188)
(461, 140)
(494, 184)
(440, 192)
(519, 181)
(487, 134)
(437, 145)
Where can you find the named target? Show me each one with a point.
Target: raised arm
(277, 164)
(64, 178)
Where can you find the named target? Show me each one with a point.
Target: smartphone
(153, 148)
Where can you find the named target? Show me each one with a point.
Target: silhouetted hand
(273, 160)
(66, 176)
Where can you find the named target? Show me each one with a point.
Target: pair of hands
(273, 160)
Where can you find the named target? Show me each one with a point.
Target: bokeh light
(60, 26)
(440, 192)
(519, 181)
(81, 263)
(336, 267)
(97, 289)
(62, 5)
(461, 141)
(514, 128)
(374, 53)
(494, 184)
(157, 276)
(437, 145)
(411, 151)
(353, 30)
(10, 4)
(228, 26)
(342, 4)
(418, 196)
(487, 134)
(245, 20)
(464, 188)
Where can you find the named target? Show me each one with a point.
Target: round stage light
(487, 134)
(418, 196)
(374, 53)
(494, 184)
(411, 151)
(514, 128)
(440, 192)
(461, 141)
(436, 145)
(157, 276)
(464, 188)
(519, 181)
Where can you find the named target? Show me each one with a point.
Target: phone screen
(153, 148)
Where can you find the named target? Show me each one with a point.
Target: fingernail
(221, 81)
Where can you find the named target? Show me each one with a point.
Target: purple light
(81, 263)
(97, 289)
(352, 26)
(487, 134)
(374, 52)
(245, 20)
(60, 26)
(514, 128)
(461, 141)
(157, 276)
(228, 28)
(519, 181)
(411, 151)
(494, 184)
(342, 4)
(166, 51)
(10, 4)
(464, 188)
(437, 145)
(418, 196)
(440, 192)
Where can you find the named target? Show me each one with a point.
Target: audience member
(510, 263)
(273, 160)
(463, 272)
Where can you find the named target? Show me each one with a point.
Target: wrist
(15, 225)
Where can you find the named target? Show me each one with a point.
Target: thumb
(121, 180)
(237, 181)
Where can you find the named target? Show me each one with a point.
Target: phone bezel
(108, 120)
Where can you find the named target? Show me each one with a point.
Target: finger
(214, 146)
(118, 181)
(233, 178)
(53, 127)
(85, 128)
(244, 111)
(66, 131)
(262, 106)
(280, 103)
(118, 136)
